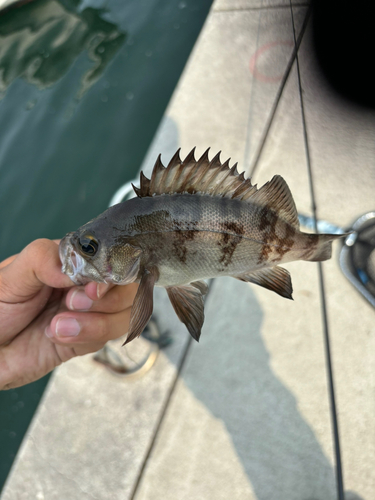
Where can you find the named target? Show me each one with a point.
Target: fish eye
(88, 245)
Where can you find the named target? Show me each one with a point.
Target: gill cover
(124, 263)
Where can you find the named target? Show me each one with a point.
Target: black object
(344, 43)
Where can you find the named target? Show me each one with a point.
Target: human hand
(45, 319)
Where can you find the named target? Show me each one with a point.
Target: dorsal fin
(217, 179)
(276, 195)
(195, 176)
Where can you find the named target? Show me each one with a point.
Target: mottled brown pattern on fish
(229, 242)
(271, 239)
(179, 243)
(267, 225)
(234, 227)
(267, 221)
(312, 244)
(265, 253)
(290, 235)
(285, 244)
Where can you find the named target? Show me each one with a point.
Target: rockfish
(191, 221)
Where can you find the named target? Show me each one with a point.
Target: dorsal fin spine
(241, 188)
(156, 176)
(164, 180)
(175, 160)
(210, 176)
(145, 185)
(190, 166)
(234, 169)
(137, 190)
(203, 165)
(204, 169)
(215, 162)
(216, 179)
(178, 157)
(224, 172)
(190, 158)
(212, 171)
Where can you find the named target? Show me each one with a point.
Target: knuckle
(36, 251)
(37, 246)
(96, 328)
(111, 326)
(100, 328)
(117, 300)
(41, 250)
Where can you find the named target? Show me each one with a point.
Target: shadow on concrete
(230, 373)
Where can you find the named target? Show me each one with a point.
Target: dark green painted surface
(82, 93)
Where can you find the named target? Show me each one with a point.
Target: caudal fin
(323, 250)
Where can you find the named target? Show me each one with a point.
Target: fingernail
(79, 301)
(67, 327)
(48, 332)
(101, 289)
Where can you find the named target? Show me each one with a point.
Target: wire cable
(331, 387)
(297, 42)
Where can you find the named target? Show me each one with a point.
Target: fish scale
(191, 221)
(201, 235)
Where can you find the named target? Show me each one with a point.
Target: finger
(117, 299)
(7, 261)
(36, 266)
(96, 291)
(66, 353)
(73, 329)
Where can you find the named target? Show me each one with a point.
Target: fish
(192, 221)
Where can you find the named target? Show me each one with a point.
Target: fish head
(89, 254)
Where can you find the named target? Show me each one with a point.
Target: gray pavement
(244, 414)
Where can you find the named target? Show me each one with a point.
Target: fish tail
(323, 247)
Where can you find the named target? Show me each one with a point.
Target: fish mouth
(74, 265)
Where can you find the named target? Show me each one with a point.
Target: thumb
(36, 266)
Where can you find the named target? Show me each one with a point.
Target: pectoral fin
(143, 304)
(187, 301)
(275, 278)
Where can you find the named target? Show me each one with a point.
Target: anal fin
(143, 304)
(187, 301)
(275, 278)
